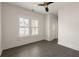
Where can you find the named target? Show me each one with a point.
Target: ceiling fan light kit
(46, 4)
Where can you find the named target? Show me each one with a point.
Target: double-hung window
(23, 27)
(28, 27)
(34, 27)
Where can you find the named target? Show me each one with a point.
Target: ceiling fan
(46, 4)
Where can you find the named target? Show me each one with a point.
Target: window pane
(34, 31)
(21, 20)
(21, 31)
(26, 22)
(34, 23)
(22, 24)
(26, 31)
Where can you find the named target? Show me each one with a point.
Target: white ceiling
(53, 8)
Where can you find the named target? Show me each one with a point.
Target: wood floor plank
(41, 49)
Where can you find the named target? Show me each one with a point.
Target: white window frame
(20, 34)
(30, 27)
(34, 27)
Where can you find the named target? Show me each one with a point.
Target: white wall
(0, 30)
(68, 26)
(10, 26)
(51, 27)
(54, 26)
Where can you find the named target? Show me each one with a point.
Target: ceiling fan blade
(47, 9)
(40, 4)
(50, 3)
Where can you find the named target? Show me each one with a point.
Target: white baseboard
(0, 52)
(68, 47)
(49, 39)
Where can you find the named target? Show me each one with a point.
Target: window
(27, 27)
(34, 27)
(23, 27)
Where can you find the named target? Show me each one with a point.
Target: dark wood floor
(41, 49)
